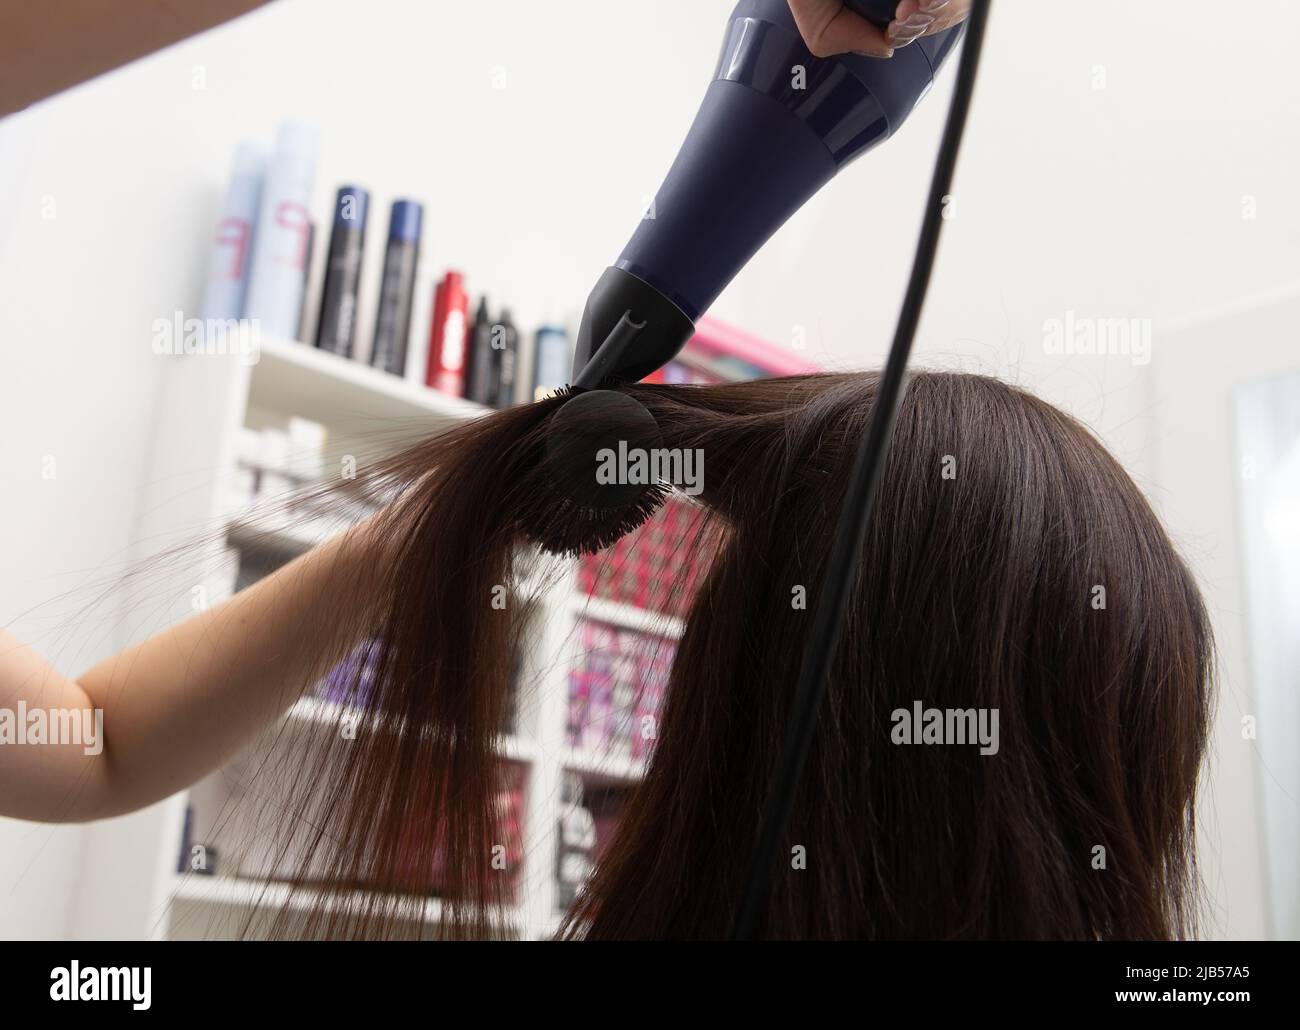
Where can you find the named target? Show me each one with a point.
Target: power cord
(846, 551)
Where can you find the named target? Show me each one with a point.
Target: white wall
(1110, 149)
(1200, 456)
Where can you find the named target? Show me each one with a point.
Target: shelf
(604, 770)
(348, 397)
(249, 895)
(316, 711)
(276, 533)
(627, 616)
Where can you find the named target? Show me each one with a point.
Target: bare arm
(180, 703)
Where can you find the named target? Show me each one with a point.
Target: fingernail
(876, 53)
(900, 33)
(931, 6)
(901, 37)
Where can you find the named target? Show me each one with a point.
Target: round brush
(600, 474)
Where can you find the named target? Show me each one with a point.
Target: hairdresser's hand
(828, 27)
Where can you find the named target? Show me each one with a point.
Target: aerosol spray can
(550, 361)
(478, 381)
(445, 370)
(505, 360)
(397, 288)
(232, 246)
(336, 330)
(283, 235)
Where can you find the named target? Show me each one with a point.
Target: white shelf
(276, 529)
(604, 770)
(274, 896)
(315, 711)
(627, 616)
(319, 712)
(276, 532)
(345, 395)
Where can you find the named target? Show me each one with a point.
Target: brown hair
(1010, 566)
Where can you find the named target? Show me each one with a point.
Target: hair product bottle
(550, 361)
(336, 330)
(446, 367)
(478, 380)
(397, 288)
(282, 240)
(232, 245)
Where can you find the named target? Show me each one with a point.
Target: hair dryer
(775, 126)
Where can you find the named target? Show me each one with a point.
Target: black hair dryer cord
(841, 569)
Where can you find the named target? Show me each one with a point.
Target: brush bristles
(569, 511)
(571, 529)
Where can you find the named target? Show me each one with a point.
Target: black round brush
(598, 471)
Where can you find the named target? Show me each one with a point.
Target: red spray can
(445, 369)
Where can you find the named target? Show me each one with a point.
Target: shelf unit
(188, 497)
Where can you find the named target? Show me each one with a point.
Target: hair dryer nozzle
(776, 124)
(628, 330)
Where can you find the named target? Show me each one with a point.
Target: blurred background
(1125, 164)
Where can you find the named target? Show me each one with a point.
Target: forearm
(185, 700)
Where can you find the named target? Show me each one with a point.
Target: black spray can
(337, 329)
(479, 381)
(397, 289)
(505, 360)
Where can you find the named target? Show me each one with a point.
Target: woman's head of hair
(1015, 717)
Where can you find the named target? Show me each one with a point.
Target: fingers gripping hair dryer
(775, 126)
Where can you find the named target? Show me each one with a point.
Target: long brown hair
(1011, 566)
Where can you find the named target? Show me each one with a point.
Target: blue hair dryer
(775, 125)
